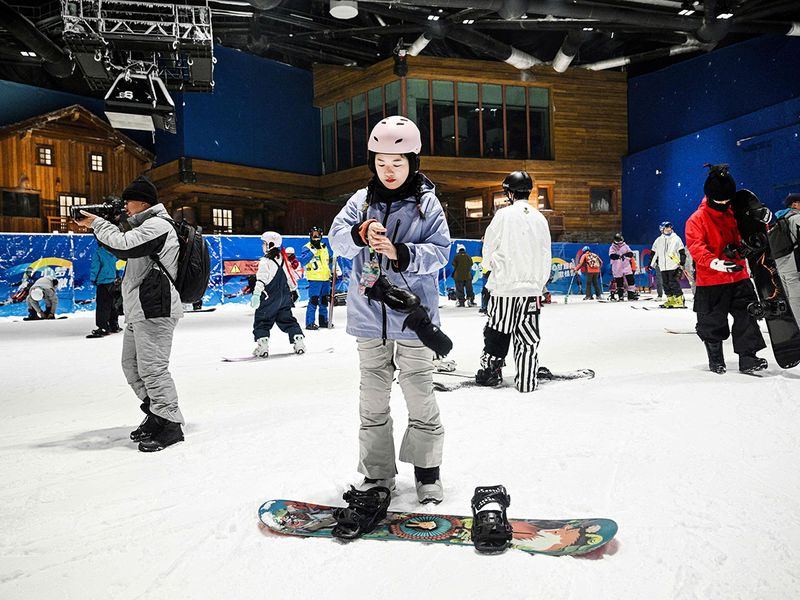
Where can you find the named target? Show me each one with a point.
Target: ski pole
(569, 289)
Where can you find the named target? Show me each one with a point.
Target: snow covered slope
(699, 470)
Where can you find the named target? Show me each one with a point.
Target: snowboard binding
(769, 309)
(365, 509)
(491, 531)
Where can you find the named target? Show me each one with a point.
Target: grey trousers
(146, 346)
(424, 436)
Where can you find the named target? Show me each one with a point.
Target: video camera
(110, 210)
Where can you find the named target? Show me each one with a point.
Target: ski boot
(669, 303)
(716, 360)
(262, 349)
(312, 327)
(750, 363)
(491, 372)
(363, 513)
(632, 296)
(299, 343)
(148, 426)
(491, 531)
(678, 302)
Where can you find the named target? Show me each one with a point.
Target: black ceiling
(302, 32)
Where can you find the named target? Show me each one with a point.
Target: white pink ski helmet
(395, 135)
(272, 239)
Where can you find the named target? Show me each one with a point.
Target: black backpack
(194, 263)
(780, 240)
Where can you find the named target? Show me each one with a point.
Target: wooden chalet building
(480, 120)
(56, 160)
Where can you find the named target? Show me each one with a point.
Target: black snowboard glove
(628, 254)
(392, 296)
(428, 333)
(614, 256)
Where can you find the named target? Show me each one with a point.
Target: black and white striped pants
(517, 319)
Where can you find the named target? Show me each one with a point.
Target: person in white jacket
(669, 255)
(516, 252)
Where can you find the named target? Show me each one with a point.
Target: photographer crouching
(152, 308)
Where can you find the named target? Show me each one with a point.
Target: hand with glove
(628, 254)
(614, 256)
(725, 266)
(255, 301)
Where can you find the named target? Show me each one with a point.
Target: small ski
(272, 355)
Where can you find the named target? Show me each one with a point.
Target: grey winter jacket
(147, 293)
(426, 248)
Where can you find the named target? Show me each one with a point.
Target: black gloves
(614, 256)
(628, 254)
(428, 333)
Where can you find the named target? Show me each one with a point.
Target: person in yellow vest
(316, 258)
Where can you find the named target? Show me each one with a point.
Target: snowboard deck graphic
(545, 376)
(784, 332)
(252, 358)
(560, 537)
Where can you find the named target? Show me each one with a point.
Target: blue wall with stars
(741, 108)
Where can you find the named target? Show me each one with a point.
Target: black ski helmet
(618, 237)
(719, 184)
(518, 182)
(314, 230)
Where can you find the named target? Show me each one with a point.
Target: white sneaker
(371, 483)
(299, 344)
(262, 349)
(430, 492)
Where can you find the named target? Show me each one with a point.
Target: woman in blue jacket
(396, 234)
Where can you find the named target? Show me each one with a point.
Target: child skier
(620, 254)
(272, 299)
(396, 234)
(666, 249)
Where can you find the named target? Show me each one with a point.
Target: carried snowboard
(272, 355)
(784, 333)
(569, 537)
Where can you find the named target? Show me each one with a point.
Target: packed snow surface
(699, 470)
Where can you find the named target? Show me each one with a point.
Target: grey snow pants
(146, 346)
(424, 436)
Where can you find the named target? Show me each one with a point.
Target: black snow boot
(633, 295)
(365, 509)
(750, 363)
(491, 531)
(169, 433)
(716, 360)
(323, 323)
(490, 376)
(148, 426)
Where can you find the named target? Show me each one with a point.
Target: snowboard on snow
(784, 333)
(545, 375)
(201, 310)
(660, 307)
(272, 355)
(39, 319)
(567, 537)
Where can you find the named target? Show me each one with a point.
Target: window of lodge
(463, 119)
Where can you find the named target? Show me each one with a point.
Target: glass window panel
(343, 135)
(392, 91)
(468, 120)
(516, 123)
(444, 119)
(543, 196)
(359, 130)
(328, 140)
(539, 103)
(418, 109)
(375, 100)
(21, 204)
(474, 207)
(601, 200)
(492, 104)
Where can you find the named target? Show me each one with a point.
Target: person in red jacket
(723, 285)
